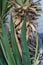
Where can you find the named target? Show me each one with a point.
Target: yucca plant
(9, 50)
(32, 11)
(13, 56)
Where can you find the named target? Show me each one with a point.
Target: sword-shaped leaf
(19, 2)
(0, 7)
(25, 50)
(36, 52)
(14, 45)
(4, 4)
(27, 3)
(2, 58)
(6, 46)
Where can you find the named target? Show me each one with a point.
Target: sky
(40, 20)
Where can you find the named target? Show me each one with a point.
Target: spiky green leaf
(0, 7)
(19, 2)
(6, 46)
(27, 3)
(25, 50)
(36, 51)
(2, 58)
(14, 45)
